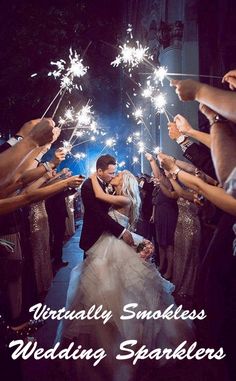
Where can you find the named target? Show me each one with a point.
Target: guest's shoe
(10, 333)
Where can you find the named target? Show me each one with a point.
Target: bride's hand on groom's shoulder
(93, 175)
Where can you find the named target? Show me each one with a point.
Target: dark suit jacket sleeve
(201, 158)
(92, 205)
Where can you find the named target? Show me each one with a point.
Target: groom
(96, 218)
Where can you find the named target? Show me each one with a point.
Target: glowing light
(121, 164)
(160, 74)
(157, 150)
(80, 155)
(141, 147)
(110, 142)
(76, 68)
(147, 93)
(66, 146)
(138, 113)
(131, 56)
(135, 159)
(79, 134)
(84, 116)
(69, 114)
(93, 138)
(159, 102)
(129, 30)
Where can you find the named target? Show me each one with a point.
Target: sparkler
(122, 164)
(67, 74)
(135, 160)
(159, 103)
(157, 150)
(131, 56)
(160, 74)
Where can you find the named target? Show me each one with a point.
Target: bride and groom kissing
(113, 274)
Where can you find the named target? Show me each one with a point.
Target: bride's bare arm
(110, 199)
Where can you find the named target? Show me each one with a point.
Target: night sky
(34, 33)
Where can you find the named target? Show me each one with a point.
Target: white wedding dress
(113, 275)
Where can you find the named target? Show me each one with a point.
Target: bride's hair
(130, 189)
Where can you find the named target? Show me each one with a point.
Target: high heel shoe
(8, 333)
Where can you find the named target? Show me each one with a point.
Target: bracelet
(218, 119)
(46, 166)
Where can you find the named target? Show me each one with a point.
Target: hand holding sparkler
(59, 156)
(75, 181)
(167, 162)
(27, 128)
(183, 125)
(174, 132)
(230, 78)
(187, 89)
(149, 156)
(43, 132)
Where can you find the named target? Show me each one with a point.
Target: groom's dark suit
(96, 218)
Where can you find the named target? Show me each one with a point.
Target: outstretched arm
(10, 204)
(155, 169)
(110, 199)
(213, 193)
(182, 192)
(221, 101)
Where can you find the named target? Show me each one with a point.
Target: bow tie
(109, 189)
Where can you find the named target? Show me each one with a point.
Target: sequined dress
(39, 238)
(186, 248)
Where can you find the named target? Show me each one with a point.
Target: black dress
(166, 215)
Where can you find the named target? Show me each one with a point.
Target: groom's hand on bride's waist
(127, 237)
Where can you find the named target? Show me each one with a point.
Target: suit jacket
(96, 218)
(200, 156)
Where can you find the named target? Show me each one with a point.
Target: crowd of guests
(33, 218)
(188, 212)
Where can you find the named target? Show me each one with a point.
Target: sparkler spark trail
(196, 75)
(75, 69)
(140, 113)
(159, 103)
(131, 55)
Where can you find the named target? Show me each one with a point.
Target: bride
(114, 275)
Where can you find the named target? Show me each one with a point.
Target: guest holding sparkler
(166, 218)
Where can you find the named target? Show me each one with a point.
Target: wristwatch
(217, 119)
(175, 173)
(181, 139)
(14, 139)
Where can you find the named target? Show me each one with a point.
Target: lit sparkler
(67, 74)
(131, 55)
(121, 164)
(76, 68)
(135, 160)
(156, 150)
(79, 155)
(159, 103)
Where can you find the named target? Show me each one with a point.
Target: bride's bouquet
(145, 249)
